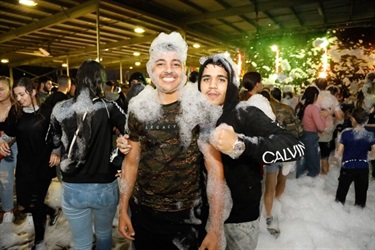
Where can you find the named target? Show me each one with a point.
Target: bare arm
(372, 152)
(339, 115)
(339, 151)
(128, 178)
(218, 197)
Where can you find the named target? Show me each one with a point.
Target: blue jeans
(84, 202)
(311, 159)
(7, 166)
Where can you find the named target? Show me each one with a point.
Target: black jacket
(90, 150)
(55, 98)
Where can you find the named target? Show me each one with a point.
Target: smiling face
(23, 97)
(167, 72)
(214, 84)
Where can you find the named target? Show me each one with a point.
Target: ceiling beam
(242, 10)
(321, 12)
(60, 17)
(86, 50)
(296, 16)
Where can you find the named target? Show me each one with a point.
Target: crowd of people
(196, 154)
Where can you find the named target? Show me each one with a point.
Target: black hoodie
(265, 142)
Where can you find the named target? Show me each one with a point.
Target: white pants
(242, 236)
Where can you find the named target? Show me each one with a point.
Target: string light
(276, 49)
(324, 59)
(239, 63)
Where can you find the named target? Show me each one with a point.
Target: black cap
(137, 76)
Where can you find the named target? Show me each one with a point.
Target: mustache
(174, 74)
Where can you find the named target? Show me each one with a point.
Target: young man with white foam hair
(247, 139)
(163, 190)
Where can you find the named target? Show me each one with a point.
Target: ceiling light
(139, 30)
(137, 63)
(130, 67)
(44, 52)
(196, 45)
(4, 60)
(28, 2)
(64, 65)
(136, 53)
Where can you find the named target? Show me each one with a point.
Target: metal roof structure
(68, 31)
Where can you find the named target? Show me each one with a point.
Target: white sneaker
(27, 226)
(40, 246)
(8, 217)
(273, 226)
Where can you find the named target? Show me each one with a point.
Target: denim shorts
(274, 167)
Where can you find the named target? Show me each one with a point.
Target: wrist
(238, 148)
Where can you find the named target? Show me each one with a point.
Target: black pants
(32, 199)
(167, 230)
(360, 178)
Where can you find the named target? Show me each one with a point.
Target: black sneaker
(55, 217)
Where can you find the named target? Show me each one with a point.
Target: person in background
(326, 101)
(72, 87)
(252, 81)
(28, 123)
(288, 97)
(193, 78)
(353, 152)
(44, 90)
(335, 91)
(64, 83)
(109, 93)
(313, 121)
(370, 126)
(137, 83)
(122, 99)
(246, 138)
(276, 174)
(89, 186)
(162, 180)
(7, 164)
(368, 92)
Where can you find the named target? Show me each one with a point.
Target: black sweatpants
(360, 177)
